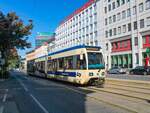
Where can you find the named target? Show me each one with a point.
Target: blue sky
(46, 14)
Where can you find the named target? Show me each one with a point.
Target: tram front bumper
(97, 81)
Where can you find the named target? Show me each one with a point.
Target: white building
(79, 28)
(127, 28)
(120, 27)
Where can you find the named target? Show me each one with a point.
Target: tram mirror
(81, 56)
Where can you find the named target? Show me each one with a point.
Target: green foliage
(13, 35)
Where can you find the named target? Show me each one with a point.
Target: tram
(80, 64)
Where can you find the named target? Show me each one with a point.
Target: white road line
(23, 85)
(39, 104)
(25, 88)
(1, 109)
(4, 99)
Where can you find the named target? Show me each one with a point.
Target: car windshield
(95, 61)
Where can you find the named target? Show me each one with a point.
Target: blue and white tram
(80, 64)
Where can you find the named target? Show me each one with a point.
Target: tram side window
(61, 63)
(69, 62)
(54, 64)
(80, 64)
(50, 67)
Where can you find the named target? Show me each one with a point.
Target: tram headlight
(79, 74)
(91, 74)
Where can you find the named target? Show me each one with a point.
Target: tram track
(134, 96)
(131, 103)
(112, 96)
(128, 88)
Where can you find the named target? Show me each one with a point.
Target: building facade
(79, 28)
(120, 27)
(127, 28)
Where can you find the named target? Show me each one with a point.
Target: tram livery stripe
(59, 73)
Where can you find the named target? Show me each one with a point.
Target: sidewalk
(7, 102)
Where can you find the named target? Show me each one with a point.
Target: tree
(13, 35)
(13, 59)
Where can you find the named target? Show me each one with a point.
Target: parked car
(117, 70)
(140, 70)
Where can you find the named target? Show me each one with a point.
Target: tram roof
(73, 48)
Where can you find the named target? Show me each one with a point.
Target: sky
(46, 14)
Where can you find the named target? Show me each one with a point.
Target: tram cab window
(95, 61)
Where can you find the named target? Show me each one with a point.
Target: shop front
(124, 61)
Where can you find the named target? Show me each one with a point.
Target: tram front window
(95, 61)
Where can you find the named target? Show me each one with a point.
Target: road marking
(39, 104)
(4, 99)
(1, 109)
(23, 85)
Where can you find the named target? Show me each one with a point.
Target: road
(21, 94)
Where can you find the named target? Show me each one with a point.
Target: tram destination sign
(93, 48)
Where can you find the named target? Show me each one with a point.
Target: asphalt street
(25, 94)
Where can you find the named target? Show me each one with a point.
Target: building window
(147, 4)
(148, 21)
(119, 30)
(142, 23)
(110, 20)
(123, 14)
(107, 46)
(137, 58)
(129, 27)
(105, 9)
(135, 41)
(113, 5)
(95, 34)
(114, 18)
(141, 8)
(135, 25)
(124, 28)
(106, 34)
(109, 7)
(106, 21)
(118, 3)
(115, 31)
(122, 2)
(125, 44)
(144, 40)
(96, 43)
(118, 16)
(110, 32)
(134, 10)
(128, 12)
